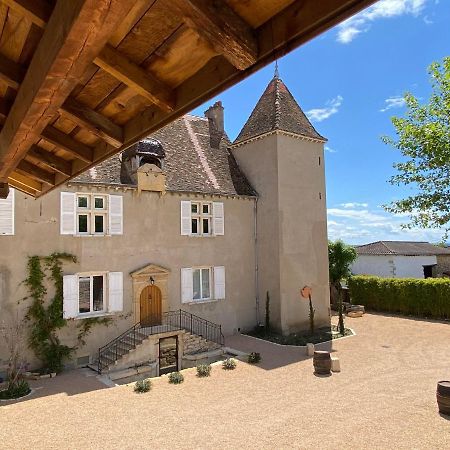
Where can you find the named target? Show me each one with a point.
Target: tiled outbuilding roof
(277, 110)
(404, 248)
(190, 163)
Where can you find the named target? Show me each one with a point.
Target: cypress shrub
(409, 296)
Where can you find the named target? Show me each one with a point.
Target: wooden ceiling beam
(129, 73)
(25, 183)
(222, 28)
(30, 170)
(67, 143)
(93, 121)
(11, 72)
(50, 160)
(4, 190)
(37, 11)
(75, 34)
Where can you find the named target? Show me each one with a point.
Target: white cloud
(384, 9)
(329, 149)
(357, 223)
(331, 107)
(393, 102)
(354, 205)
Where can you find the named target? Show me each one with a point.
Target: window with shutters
(202, 218)
(199, 284)
(7, 214)
(92, 294)
(91, 214)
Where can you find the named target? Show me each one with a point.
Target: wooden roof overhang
(81, 80)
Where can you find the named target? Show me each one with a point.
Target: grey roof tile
(277, 110)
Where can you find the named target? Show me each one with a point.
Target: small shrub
(142, 386)
(203, 370)
(229, 364)
(254, 358)
(19, 389)
(176, 378)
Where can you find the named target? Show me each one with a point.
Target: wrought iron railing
(170, 321)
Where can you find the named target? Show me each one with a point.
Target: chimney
(215, 119)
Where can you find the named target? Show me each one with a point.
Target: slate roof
(403, 248)
(277, 110)
(190, 163)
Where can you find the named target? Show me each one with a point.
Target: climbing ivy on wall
(46, 318)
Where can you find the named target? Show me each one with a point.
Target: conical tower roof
(277, 110)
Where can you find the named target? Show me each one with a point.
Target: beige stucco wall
(292, 233)
(151, 235)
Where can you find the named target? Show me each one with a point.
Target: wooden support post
(4, 190)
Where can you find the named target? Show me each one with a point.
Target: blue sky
(350, 81)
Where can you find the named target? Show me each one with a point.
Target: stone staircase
(194, 344)
(199, 335)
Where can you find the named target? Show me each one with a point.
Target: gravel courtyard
(383, 398)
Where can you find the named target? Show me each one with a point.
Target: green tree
(423, 138)
(340, 258)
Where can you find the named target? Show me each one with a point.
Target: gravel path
(383, 398)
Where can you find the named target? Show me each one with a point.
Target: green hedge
(410, 296)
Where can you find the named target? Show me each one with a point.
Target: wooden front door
(151, 306)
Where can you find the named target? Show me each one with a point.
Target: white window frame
(91, 212)
(91, 275)
(200, 216)
(210, 280)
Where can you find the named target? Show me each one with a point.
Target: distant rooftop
(404, 248)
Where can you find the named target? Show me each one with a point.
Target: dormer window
(150, 159)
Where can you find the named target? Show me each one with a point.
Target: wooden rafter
(30, 170)
(37, 11)
(93, 121)
(143, 83)
(222, 28)
(50, 160)
(75, 34)
(22, 182)
(67, 143)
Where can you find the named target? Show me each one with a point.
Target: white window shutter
(219, 282)
(7, 214)
(115, 214)
(115, 291)
(218, 219)
(70, 296)
(186, 218)
(68, 216)
(187, 288)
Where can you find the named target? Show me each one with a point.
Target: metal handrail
(176, 320)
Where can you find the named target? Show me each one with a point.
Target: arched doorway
(151, 306)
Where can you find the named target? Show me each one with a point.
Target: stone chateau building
(184, 220)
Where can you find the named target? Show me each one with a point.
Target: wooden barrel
(443, 397)
(322, 362)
